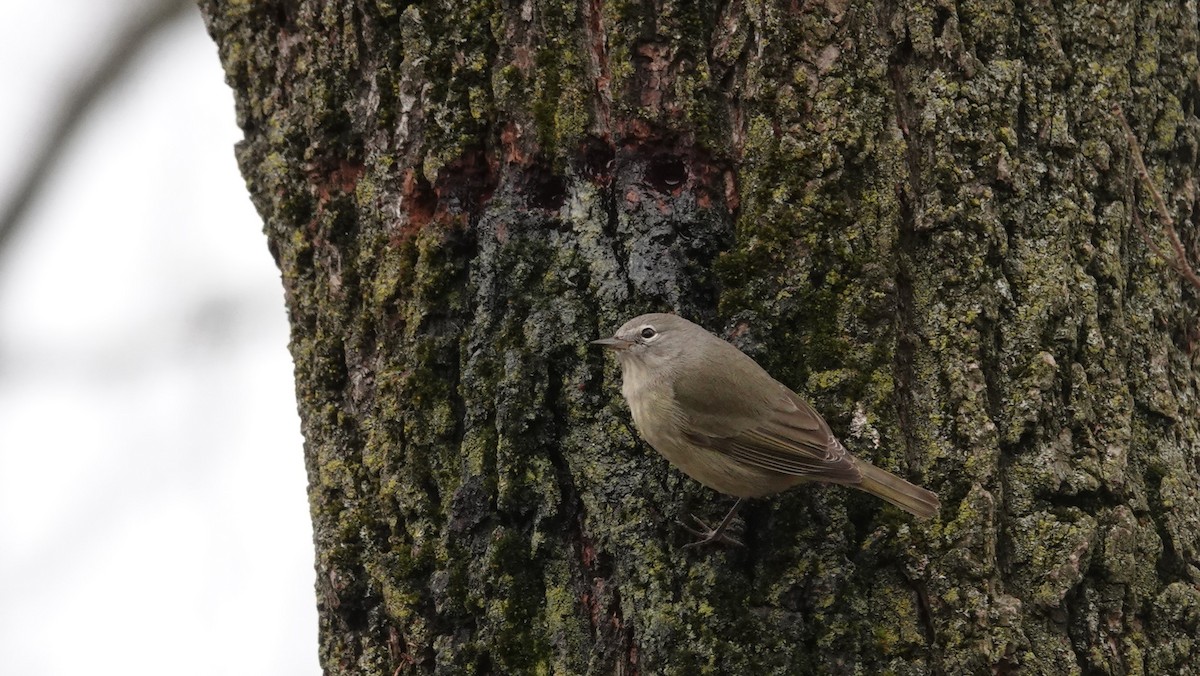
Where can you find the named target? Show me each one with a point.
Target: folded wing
(781, 433)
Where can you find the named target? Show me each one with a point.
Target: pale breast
(659, 422)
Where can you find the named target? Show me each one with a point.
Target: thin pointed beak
(613, 343)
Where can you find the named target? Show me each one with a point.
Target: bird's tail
(909, 497)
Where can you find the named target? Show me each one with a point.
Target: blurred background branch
(152, 482)
(141, 26)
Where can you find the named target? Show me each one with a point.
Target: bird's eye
(648, 332)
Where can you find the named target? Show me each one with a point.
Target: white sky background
(153, 516)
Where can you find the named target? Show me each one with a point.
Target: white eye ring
(648, 332)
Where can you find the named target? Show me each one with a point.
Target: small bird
(714, 413)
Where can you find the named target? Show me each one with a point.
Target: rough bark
(918, 214)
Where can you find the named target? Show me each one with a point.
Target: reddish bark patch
(346, 175)
(510, 144)
(652, 60)
(340, 179)
(462, 189)
(733, 198)
(635, 132)
(419, 202)
(597, 41)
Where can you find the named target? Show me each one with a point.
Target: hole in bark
(467, 183)
(816, 278)
(667, 174)
(598, 161)
(546, 190)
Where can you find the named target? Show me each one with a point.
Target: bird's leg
(717, 534)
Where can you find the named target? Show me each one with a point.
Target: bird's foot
(708, 534)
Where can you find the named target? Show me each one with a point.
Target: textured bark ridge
(921, 215)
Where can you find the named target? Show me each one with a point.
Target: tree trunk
(922, 216)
